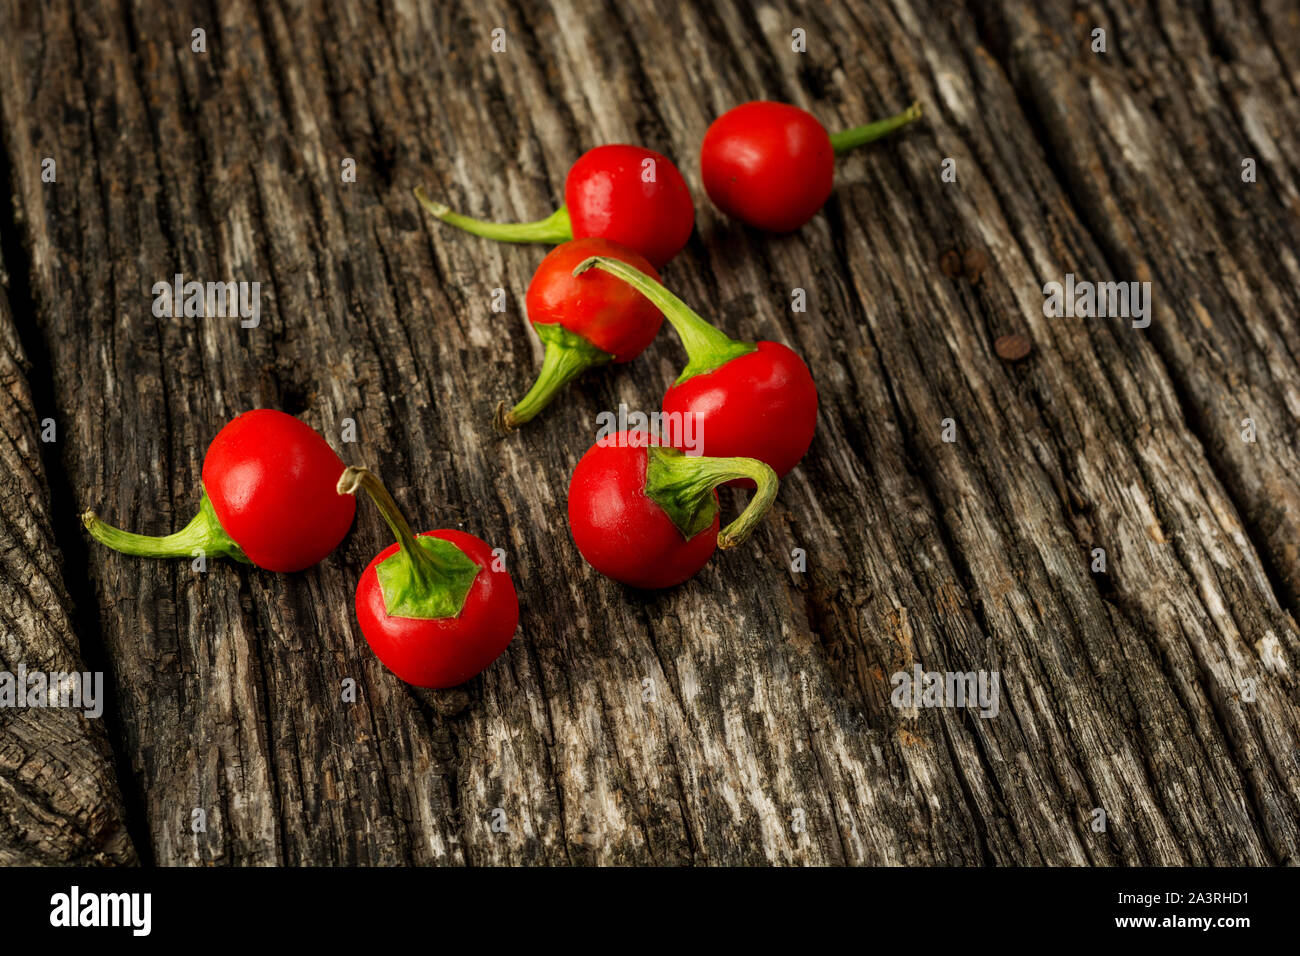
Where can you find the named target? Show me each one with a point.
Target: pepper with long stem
(268, 499)
(648, 516)
(626, 194)
(584, 322)
(772, 165)
(437, 608)
(745, 399)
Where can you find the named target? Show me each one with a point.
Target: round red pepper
(771, 165)
(435, 608)
(268, 499)
(762, 404)
(584, 321)
(750, 400)
(627, 194)
(647, 515)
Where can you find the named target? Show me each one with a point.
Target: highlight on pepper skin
(772, 165)
(584, 321)
(627, 194)
(437, 608)
(647, 514)
(267, 498)
(750, 399)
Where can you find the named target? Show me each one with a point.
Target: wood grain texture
(1151, 139)
(59, 798)
(698, 725)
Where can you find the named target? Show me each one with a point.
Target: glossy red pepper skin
(762, 405)
(583, 320)
(608, 197)
(770, 165)
(620, 531)
(602, 309)
(442, 652)
(268, 499)
(271, 481)
(626, 194)
(737, 399)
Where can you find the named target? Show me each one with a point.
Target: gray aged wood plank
(59, 797)
(771, 688)
(1151, 137)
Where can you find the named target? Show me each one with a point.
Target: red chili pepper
(771, 165)
(749, 400)
(268, 499)
(629, 195)
(584, 321)
(435, 608)
(647, 515)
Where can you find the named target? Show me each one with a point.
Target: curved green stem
(555, 228)
(567, 356)
(683, 486)
(849, 138)
(427, 577)
(707, 348)
(204, 532)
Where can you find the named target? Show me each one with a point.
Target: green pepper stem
(427, 578)
(706, 347)
(555, 228)
(353, 479)
(683, 486)
(567, 356)
(203, 533)
(859, 135)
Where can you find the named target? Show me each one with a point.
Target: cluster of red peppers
(437, 608)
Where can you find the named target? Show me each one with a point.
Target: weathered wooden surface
(59, 799)
(701, 724)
